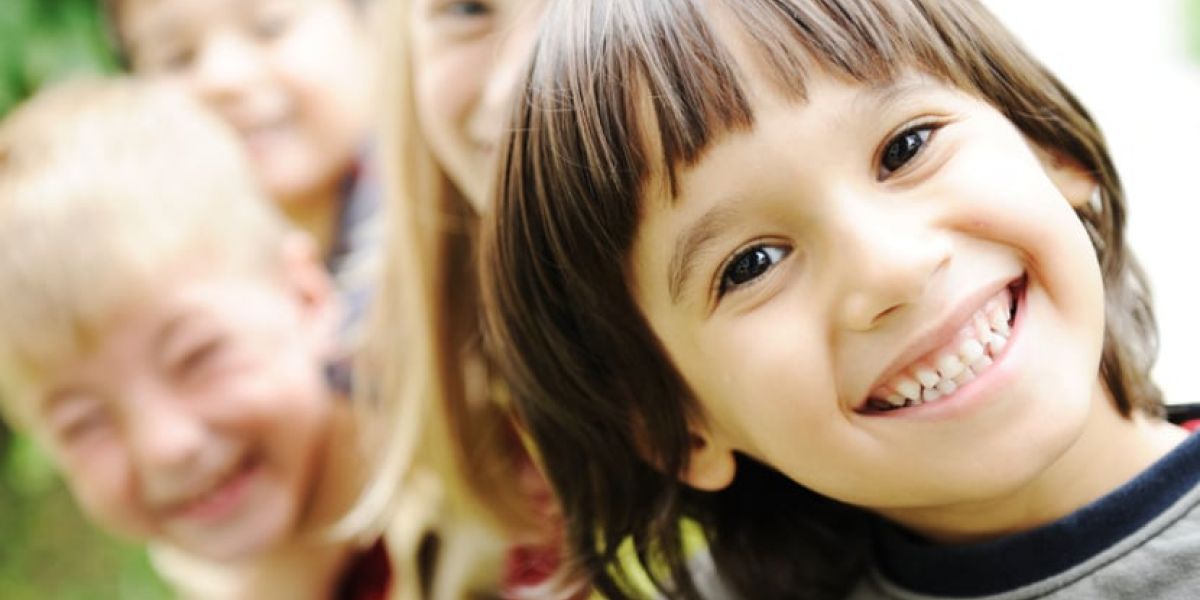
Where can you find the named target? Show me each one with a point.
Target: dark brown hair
(591, 381)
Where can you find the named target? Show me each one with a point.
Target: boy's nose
(888, 260)
(165, 438)
(224, 66)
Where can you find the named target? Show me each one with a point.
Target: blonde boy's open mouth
(941, 373)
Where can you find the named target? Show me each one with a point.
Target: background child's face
(292, 76)
(850, 247)
(200, 417)
(468, 57)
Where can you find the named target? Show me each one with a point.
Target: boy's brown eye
(903, 148)
(199, 358)
(467, 8)
(749, 265)
(268, 27)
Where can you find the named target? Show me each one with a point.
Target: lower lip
(976, 392)
(224, 501)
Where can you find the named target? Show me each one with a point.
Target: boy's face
(868, 246)
(291, 76)
(467, 62)
(200, 416)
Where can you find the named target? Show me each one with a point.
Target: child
(163, 335)
(294, 78)
(454, 67)
(846, 283)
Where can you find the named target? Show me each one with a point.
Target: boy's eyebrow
(693, 240)
(892, 91)
(699, 235)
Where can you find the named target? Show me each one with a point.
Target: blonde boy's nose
(164, 437)
(886, 264)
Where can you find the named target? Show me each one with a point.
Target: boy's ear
(1074, 181)
(711, 464)
(307, 279)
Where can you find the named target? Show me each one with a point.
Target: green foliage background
(47, 549)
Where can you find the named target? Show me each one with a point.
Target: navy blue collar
(1015, 561)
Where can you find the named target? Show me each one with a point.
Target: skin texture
(861, 266)
(200, 417)
(291, 76)
(467, 60)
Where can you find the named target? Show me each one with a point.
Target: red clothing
(368, 576)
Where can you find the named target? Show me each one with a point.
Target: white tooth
(980, 364)
(949, 366)
(982, 327)
(965, 377)
(928, 377)
(996, 344)
(909, 388)
(947, 387)
(896, 399)
(971, 350)
(930, 395)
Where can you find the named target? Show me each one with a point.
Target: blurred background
(1135, 65)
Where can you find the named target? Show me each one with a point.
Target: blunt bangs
(639, 88)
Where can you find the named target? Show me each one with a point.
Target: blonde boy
(162, 335)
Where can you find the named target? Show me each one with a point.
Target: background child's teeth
(929, 395)
(947, 387)
(996, 343)
(909, 389)
(964, 377)
(980, 364)
(928, 377)
(896, 400)
(949, 366)
(971, 350)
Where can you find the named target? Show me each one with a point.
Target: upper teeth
(943, 371)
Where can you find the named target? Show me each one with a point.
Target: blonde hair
(106, 185)
(434, 406)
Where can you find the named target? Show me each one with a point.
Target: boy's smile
(218, 496)
(200, 418)
(883, 272)
(965, 350)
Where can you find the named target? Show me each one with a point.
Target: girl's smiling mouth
(942, 372)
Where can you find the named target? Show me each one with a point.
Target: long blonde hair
(428, 394)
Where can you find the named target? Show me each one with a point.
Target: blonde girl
(448, 438)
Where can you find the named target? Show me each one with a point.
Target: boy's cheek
(107, 493)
